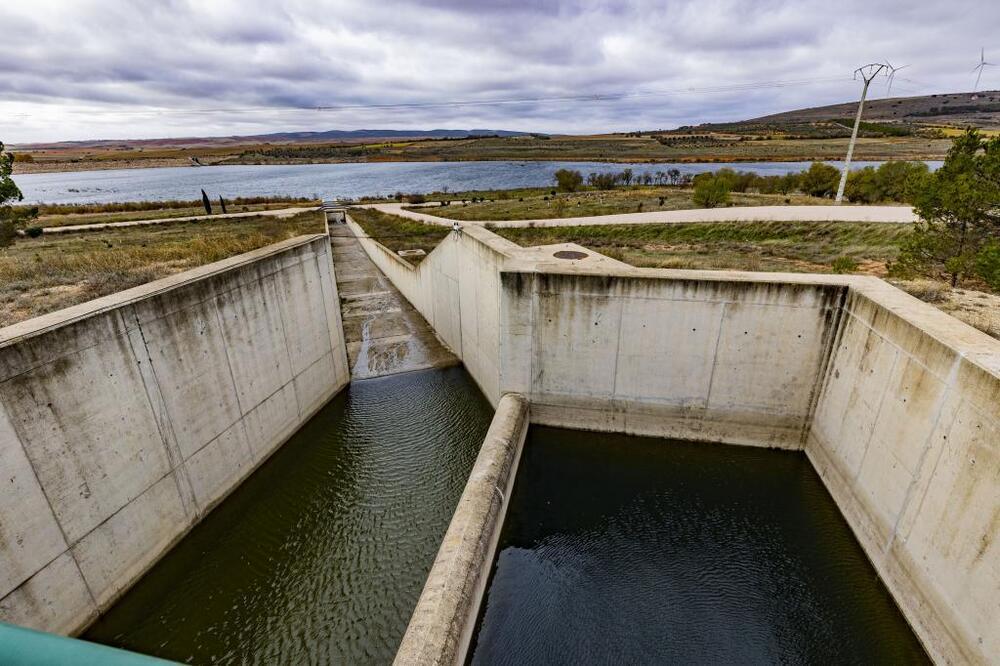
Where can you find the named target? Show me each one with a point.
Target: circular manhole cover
(570, 254)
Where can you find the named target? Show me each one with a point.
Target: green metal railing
(27, 647)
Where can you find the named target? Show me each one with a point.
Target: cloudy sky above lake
(84, 69)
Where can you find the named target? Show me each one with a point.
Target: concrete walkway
(384, 334)
(279, 213)
(886, 214)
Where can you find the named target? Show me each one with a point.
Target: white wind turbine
(979, 68)
(892, 73)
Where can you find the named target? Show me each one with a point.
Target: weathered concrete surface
(280, 213)
(896, 403)
(906, 436)
(457, 290)
(440, 629)
(710, 359)
(887, 214)
(124, 420)
(384, 333)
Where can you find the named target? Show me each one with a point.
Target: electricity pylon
(868, 74)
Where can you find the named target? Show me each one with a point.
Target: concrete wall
(713, 357)
(896, 404)
(456, 289)
(124, 420)
(441, 627)
(906, 436)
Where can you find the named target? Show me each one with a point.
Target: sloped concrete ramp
(385, 335)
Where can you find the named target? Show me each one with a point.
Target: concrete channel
(384, 333)
(125, 421)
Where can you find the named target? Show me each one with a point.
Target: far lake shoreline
(346, 180)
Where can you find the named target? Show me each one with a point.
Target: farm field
(601, 148)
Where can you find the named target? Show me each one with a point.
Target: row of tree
(895, 181)
(892, 181)
(571, 180)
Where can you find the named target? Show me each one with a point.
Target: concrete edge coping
(440, 629)
(104, 226)
(15, 333)
(498, 244)
(361, 235)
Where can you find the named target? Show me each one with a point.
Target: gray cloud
(118, 69)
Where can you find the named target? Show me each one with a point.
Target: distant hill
(329, 136)
(980, 109)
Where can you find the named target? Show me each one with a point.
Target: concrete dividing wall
(124, 420)
(733, 358)
(906, 436)
(445, 616)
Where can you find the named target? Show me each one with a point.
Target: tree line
(892, 181)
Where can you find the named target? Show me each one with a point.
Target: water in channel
(319, 557)
(628, 550)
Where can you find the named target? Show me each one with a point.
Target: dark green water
(321, 555)
(627, 550)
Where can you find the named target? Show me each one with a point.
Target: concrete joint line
(715, 355)
(928, 443)
(68, 545)
(229, 360)
(174, 455)
(878, 414)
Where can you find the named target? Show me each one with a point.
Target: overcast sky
(84, 69)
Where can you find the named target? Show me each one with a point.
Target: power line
(596, 97)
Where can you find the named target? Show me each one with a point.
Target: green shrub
(711, 192)
(568, 180)
(820, 180)
(415, 198)
(33, 232)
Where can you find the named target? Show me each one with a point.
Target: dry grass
(398, 233)
(978, 309)
(764, 246)
(55, 271)
(62, 215)
(541, 204)
(810, 247)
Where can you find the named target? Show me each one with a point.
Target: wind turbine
(892, 73)
(982, 65)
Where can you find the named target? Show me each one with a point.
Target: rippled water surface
(320, 556)
(626, 550)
